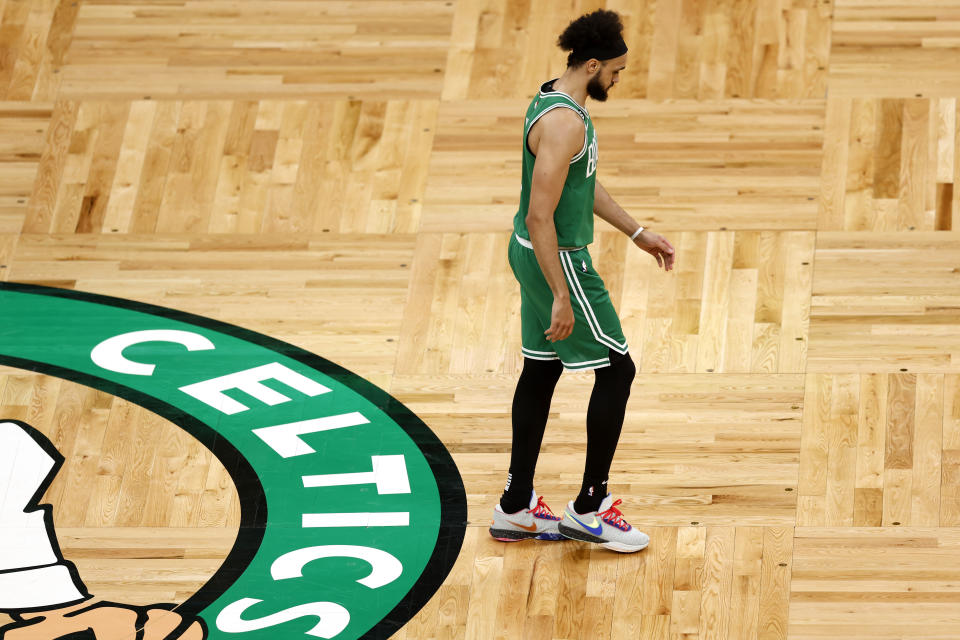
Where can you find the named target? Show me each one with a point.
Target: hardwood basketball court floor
(342, 175)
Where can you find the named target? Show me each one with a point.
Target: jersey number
(592, 157)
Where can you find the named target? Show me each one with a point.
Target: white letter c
(109, 353)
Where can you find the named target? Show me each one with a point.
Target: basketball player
(567, 318)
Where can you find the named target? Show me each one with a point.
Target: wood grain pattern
(885, 302)
(232, 167)
(343, 175)
(293, 48)
(873, 449)
(865, 582)
(895, 49)
(679, 49)
(898, 163)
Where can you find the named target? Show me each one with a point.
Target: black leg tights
(608, 404)
(531, 406)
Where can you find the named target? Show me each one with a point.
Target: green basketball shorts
(596, 327)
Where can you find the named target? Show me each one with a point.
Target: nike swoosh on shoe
(595, 528)
(532, 527)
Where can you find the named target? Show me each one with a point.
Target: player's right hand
(561, 320)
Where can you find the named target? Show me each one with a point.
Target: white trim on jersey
(586, 145)
(526, 135)
(560, 93)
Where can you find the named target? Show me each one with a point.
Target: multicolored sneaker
(537, 522)
(604, 526)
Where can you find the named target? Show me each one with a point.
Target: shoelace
(614, 516)
(543, 511)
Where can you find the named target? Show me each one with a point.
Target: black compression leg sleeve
(531, 406)
(608, 404)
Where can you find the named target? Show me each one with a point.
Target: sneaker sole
(619, 547)
(509, 535)
(583, 536)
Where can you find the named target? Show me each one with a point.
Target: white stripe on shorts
(581, 297)
(540, 353)
(526, 354)
(587, 366)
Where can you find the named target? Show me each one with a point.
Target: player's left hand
(657, 246)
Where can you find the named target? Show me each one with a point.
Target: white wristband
(636, 233)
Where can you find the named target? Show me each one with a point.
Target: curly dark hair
(590, 29)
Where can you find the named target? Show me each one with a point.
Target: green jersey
(573, 217)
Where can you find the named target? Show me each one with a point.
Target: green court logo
(353, 512)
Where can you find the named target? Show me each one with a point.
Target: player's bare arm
(554, 139)
(605, 207)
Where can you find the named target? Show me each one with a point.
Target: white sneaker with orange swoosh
(604, 526)
(537, 522)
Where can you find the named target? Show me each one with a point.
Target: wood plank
(343, 176)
